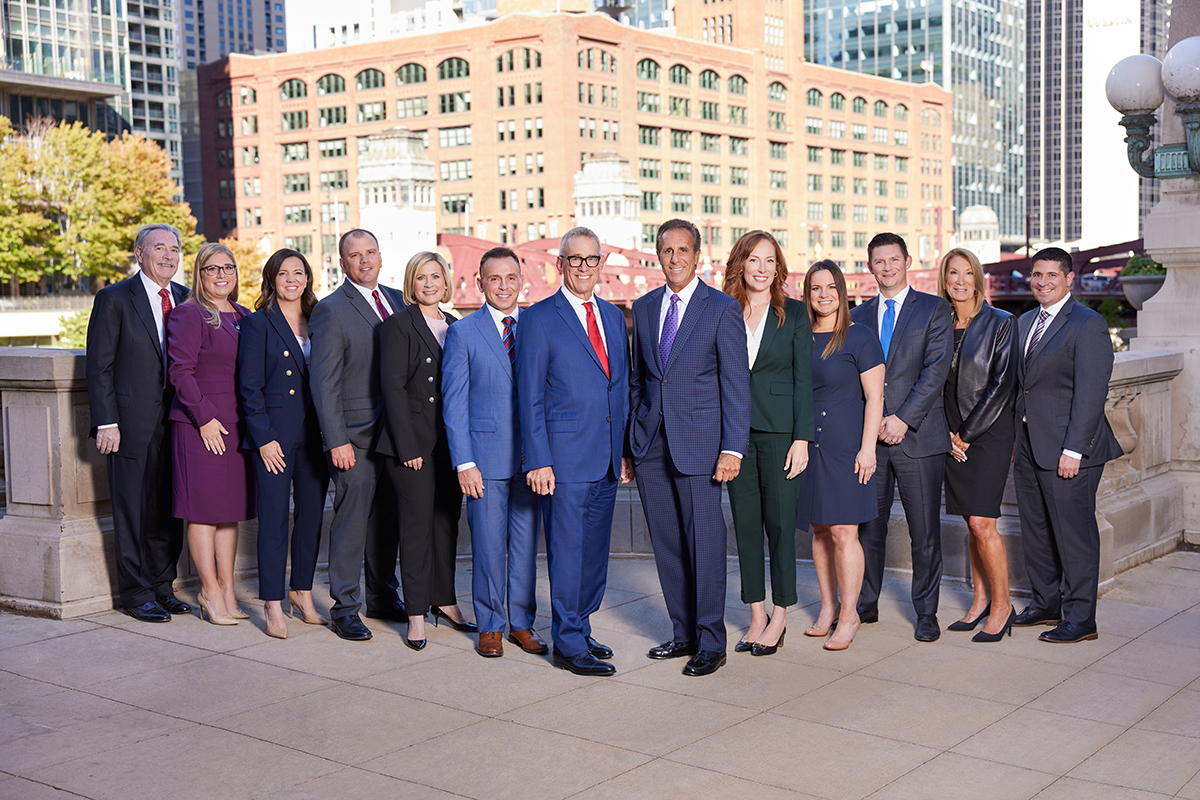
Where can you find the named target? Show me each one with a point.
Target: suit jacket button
(431, 400)
(291, 391)
(288, 373)
(818, 430)
(608, 419)
(428, 360)
(286, 354)
(431, 379)
(822, 413)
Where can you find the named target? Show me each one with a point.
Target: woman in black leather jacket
(979, 398)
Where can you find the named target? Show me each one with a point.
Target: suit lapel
(413, 314)
(486, 327)
(871, 311)
(902, 319)
(769, 334)
(691, 316)
(655, 299)
(1024, 323)
(1056, 324)
(567, 312)
(361, 305)
(612, 329)
(141, 307)
(291, 343)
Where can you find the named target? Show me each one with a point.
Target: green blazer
(781, 397)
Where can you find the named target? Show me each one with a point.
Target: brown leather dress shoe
(490, 644)
(529, 641)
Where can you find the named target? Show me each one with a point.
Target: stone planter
(1140, 288)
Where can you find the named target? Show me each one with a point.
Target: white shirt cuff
(109, 425)
(738, 456)
(1072, 454)
(466, 465)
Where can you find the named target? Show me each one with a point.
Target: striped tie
(510, 342)
(1043, 315)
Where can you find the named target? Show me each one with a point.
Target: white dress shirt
(367, 293)
(581, 313)
(754, 337)
(1053, 312)
(879, 312)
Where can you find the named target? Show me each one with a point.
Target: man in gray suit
(344, 371)
(1063, 442)
(915, 330)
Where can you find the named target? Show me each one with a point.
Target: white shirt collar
(576, 302)
(1057, 307)
(368, 295)
(685, 294)
(153, 288)
(497, 316)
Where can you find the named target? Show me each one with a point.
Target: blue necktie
(889, 325)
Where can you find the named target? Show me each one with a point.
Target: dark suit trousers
(148, 539)
(687, 529)
(430, 503)
(304, 481)
(762, 498)
(364, 529)
(578, 520)
(920, 482)
(1059, 536)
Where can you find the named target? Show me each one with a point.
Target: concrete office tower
(154, 62)
(213, 29)
(974, 49)
(607, 200)
(70, 65)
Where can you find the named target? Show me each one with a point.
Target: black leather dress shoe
(173, 605)
(1067, 633)
(149, 611)
(350, 627)
(584, 664)
(868, 614)
(395, 612)
(673, 649)
(705, 662)
(1035, 616)
(927, 628)
(597, 649)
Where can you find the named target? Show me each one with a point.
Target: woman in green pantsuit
(765, 492)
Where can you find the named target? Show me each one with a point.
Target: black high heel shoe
(746, 647)
(768, 650)
(995, 637)
(960, 625)
(464, 627)
(415, 644)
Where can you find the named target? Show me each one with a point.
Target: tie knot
(1043, 315)
(163, 293)
(891, 304)
(509, 322)
(587, 306)
(674, 299)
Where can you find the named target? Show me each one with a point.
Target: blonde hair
(410, 275)
(976, 271)
(198, 292)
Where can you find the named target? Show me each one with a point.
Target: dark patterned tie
(1043, 315)
(510, 342)
(670, 328)
(383, 312)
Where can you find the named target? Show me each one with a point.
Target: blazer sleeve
(103, 338)
(1002, 383)
(456, 386)
(935, 368)
(803, 420)
(1093, 370)
(326, 363)
(185, 338)
(252, 379)
(733, 370)
(396, 365)
(533, 362)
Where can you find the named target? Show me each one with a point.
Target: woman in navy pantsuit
(283, 434)
(212, 483)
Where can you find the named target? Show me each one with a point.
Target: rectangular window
(330, 148)
(739, 206)
(294, 184)
(337, 179)
(301, 244)
(881, 189)
(837, 129)
(837, 238)
(815, 183)
(291, 152)
(781, 236)
(335, 212)
(860, 215)
(412, 107)
(332, 116)
(251, 187)
(860, 186)
(650, 136)
(736, 233)
(709, 111)
(249, 126)
(710, 204)
(651, 201)
(858, 132)
(681, 140)
(778, 179)
(901, 216)
(293, 215)
(901, 164)
(837, 212)
(778, 150)
(777, 120)
(901, 190)
(881, 136)
(837, 158)
(454, 102)
(293, 120)
(253, 217)
(680, 107)
(737, 115)
(372, 112)
(860, 160)
(714, 237)
(648, 102)
(816, 212)
(860, 238)
(649, 233)
(456, 170)
(813, 125)
(681, 171)
(710, 143)
(837, 184)
(681, 203)
(456, 203)
(739, 176)
(881, 214)
(454, 137)
(880, 163)
(816, 155)
(738, 146)
(649, 168)
(902, 138)
(710, 173)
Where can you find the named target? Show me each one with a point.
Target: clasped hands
(892, 430)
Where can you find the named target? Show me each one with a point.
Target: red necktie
(594, 335)
(383, 312)
(166, 304)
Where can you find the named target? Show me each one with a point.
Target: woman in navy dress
(212, 482)
(839, 490)
(284, 437)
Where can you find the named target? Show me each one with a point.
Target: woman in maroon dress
(213, 484)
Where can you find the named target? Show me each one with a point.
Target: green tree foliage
(74, 330)
(82, 198)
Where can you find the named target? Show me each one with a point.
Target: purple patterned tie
(670, 327)
(1043, 315)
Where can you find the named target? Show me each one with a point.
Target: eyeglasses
(223, 269)
(577, 262)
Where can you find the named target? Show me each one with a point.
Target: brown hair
(976, 272)
(410, 275)
(735, 271)
(198, 293)
(841, 325)
(270, 271)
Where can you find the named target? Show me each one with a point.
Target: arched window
(453, 68)
(369, 79)
(777, 91)
(837, 102)
(737, 84)
(292, 89)
(710, 80)
(331, 84)
(930, 117)
(881, 109)
(648, 68)
(679, 75)
(901, 113)
(410, 73)
(247, 96)
(859, 106)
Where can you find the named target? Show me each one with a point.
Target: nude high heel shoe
(226, 620)
(294, 603)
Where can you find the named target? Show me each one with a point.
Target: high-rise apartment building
(976, 49)
(154, 75)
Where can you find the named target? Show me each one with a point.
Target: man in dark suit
(129, 398)
(573, 403)
(479, 404)
(346, 391)
(1063, 442)
(690, 394)
(916, 332)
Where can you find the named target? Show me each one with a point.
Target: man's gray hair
(579, 231)
(144, 232)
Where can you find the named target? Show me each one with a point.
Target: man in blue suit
(915, 330)
(573, 400)
(690, 394)
(479, 397)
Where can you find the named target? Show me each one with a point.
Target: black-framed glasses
(223, 269)
(577, 262)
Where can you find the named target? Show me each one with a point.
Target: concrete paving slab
(18, 629)
(1182, 629)
(1179, 715)
(94, 656)
(532, 763)
(646, 616)
(14, 688)
(1172, 664)
(1158, 572)
(667, 780)
(1127, 619)
(964, 778)
(328, 656)
(1129, 589)
(23, 789)
(1039, 740)
(352, 782)
(191, 631)
(1147, 760)
(1192, 790)
(1104, 697)
(1024, 644)
(1075, 789)
(871, 644)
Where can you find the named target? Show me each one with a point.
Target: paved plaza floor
(107, 707)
